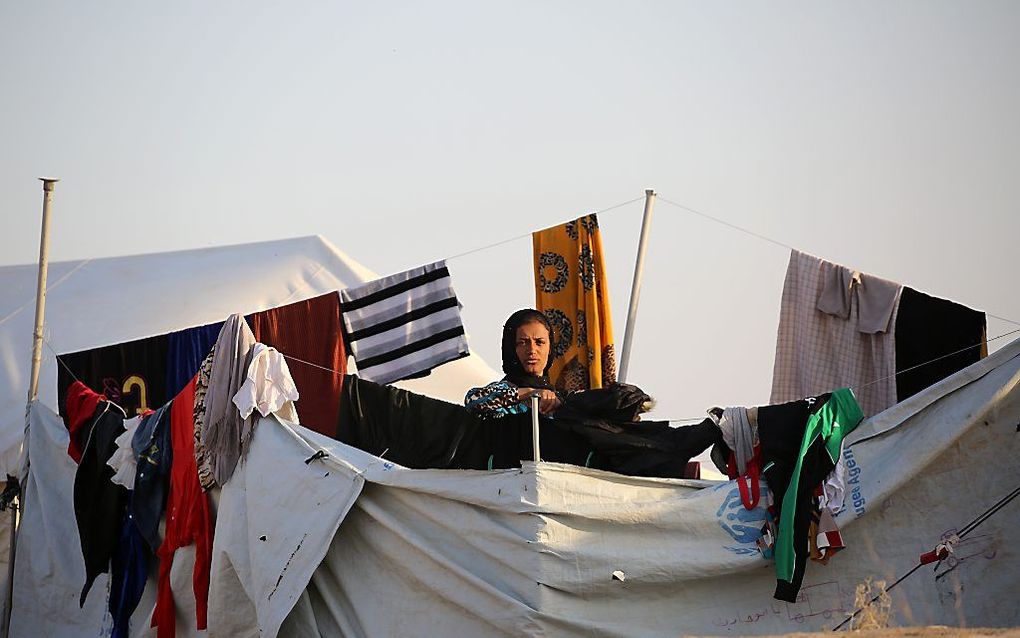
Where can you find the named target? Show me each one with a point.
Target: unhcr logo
(742, 524)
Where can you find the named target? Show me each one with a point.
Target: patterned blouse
(495, 400)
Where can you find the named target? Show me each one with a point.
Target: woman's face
(532, 345)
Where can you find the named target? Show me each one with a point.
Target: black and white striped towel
(405, 324)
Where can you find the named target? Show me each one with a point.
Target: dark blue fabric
(185, 351)
(128, 572)
(152, 451)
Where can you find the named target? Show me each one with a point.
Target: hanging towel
(738, 435)
(934, 338)
(817, 352)
(405, 324)
(571, 289)
(308, 333)
(224, 429)
(876, 297)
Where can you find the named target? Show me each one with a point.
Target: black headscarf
(515, 372)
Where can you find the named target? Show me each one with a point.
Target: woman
(527, 344)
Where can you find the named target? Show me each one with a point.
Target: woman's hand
(548, 402)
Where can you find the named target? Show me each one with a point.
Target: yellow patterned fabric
(571, 289)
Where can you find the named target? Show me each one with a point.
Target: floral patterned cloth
(571, 289)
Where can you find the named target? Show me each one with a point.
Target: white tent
(98, 302)
(354, 545)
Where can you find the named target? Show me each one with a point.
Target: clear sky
(882, 135)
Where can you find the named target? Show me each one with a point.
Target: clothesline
(771, 240)
(685, 419)
(529, 234)
(939, 358)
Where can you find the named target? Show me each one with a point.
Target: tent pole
(635, 287)
(33, 384)
(536, 452)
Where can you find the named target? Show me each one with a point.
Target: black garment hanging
(928, 328)
(421, 432)
(99, 503)
(413, 430)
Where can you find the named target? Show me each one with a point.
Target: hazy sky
(883, 135)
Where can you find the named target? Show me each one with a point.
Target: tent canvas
(98, 302)
(533, 551)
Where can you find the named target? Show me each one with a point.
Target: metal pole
(534, 430)
(635, 287)
(40, 299)
(33, 383)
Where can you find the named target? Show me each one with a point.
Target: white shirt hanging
(269, 387)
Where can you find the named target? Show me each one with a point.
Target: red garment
(309, 330)
(187, 518)
(81, 406)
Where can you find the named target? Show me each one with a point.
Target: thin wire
(774, 241)
(728, 224)
(309, 363)
(61, 361)
(1015, 323)
(970, 527)
(528, 234)
(977, 345)
(870, 383)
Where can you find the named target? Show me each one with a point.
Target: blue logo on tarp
(742, 524)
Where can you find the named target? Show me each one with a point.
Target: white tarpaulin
(553, 549)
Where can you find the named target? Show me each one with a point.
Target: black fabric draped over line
(424, 433)
(98, 502)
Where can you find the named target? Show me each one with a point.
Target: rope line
(889, 376)
(726, 223)
(967, 529)
(771, 240)
(529, 234)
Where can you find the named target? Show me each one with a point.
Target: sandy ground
(913, 632)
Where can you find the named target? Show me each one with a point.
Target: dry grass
(874, 614)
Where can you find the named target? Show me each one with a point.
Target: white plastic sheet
(554, 549)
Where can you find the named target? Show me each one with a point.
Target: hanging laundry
(122, 462)
(188, 519)
(129, 569)
(739, 435)
(824, 537)
(410, 429)
(739, 454)
(268, 387)
(81, 405)
(203, 459)
(876, 297)
(927, 330)
(154, 456)
(142, 374)
(224, 430)
(605, 421)
(309, 330)
(404, 325)
(800, 443)
(572, 290)
(132, 374)
(98, 502)
(185, 351)
(834, 487)
(818, 352)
